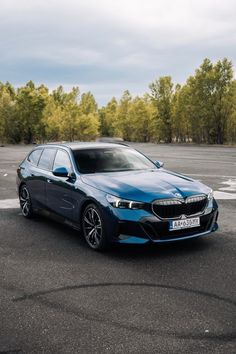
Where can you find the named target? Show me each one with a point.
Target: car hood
(145, 186)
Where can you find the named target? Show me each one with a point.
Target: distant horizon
(101, 103)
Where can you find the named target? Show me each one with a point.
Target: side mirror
(60, 172)
(159, 164)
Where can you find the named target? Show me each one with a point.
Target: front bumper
(151, 229)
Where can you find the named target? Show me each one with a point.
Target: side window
(62, 160)
(34, 156)
(47, 158)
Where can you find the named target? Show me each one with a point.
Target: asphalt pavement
(58, 296)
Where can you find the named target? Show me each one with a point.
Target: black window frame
(47, 148)
(31, 152)
(64, 150)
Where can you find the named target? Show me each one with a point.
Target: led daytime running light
(123, 203)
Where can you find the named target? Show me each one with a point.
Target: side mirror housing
(159, 164)
(60, 172)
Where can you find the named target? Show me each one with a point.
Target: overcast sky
(107, 46)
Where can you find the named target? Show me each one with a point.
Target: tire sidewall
(104, 243)
(30, 213)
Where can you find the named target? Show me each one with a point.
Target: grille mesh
(174, 208)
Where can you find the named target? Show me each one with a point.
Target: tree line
(202, 110)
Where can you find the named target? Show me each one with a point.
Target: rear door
(43, 173)
(29, 171)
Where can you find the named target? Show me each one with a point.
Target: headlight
(209, 207)
(210, 195)
(123, 203)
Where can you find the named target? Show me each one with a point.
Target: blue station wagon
(113, 193)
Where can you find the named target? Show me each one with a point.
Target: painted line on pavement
(230, 185)
(223, 195)
(204, 175)
(9, 204)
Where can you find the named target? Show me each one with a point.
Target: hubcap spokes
(24, 201)
(92, 227)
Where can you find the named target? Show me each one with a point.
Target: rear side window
(47, 158)
(34, 156)
(62, 160)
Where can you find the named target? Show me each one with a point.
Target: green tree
(231, 123)
(88, 126)
(69, 120)
(181, 128)
(211, 100)
(30, 103)
(51, 120)
(61, 114)
(103, 130)
(108, 116)
(162, 96)
(10, 127)
(202, 110)
(59, 96)
(88, 104)
(140, 120)
(123, 126)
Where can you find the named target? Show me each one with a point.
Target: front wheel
(94, 228)
(25, 202)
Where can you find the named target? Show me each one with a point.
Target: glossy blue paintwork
(145, 186)
(60, 172)
(137, 240)
(134, 240)
(67, 196)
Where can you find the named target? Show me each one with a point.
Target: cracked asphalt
(58, 296)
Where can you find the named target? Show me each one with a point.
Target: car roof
(85, 145)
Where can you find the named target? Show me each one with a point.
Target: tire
(93, 228)
(25, 202)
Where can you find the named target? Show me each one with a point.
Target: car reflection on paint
(113, 193)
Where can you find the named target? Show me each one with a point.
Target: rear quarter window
(34, 156)
(47, 159)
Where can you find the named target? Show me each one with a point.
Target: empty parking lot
(58, 296)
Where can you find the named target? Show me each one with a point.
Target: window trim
(47, 148)
(64, 150)
(31, 152)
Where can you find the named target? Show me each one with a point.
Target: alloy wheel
(92, 227)
(25, 202)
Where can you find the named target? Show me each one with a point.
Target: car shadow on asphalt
(151, 251)
(127, 251)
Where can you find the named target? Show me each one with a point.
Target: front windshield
(100, 160)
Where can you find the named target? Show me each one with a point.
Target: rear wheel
(93, 228)
(25, 202)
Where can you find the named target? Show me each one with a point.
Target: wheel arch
(104, 242)
(84, 205)
(22, 183)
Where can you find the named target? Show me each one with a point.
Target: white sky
(107, 46)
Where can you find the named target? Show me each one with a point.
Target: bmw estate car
(113, 193)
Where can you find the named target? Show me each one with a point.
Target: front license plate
(184, 223)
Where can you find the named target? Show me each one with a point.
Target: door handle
(49, 180)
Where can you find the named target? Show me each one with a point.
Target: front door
(59, 190)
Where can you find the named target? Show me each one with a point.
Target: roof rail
(119, 143)
(111, 140)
